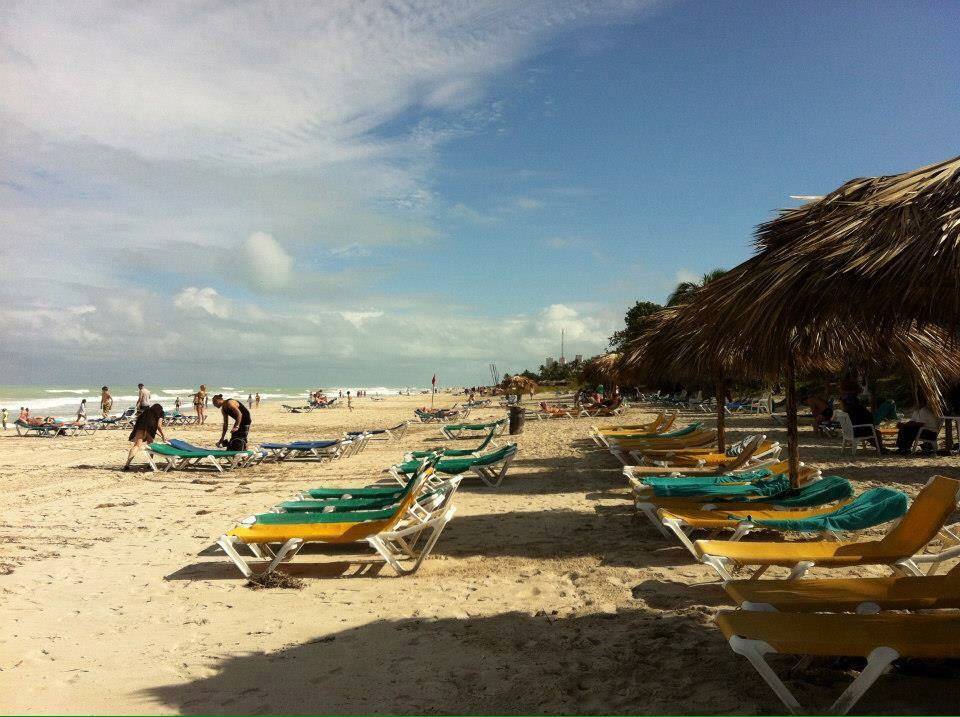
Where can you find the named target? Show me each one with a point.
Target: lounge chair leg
(677, 529)
(909, 567)
(877, 663)
(754, 651)
(226, 544)
(758, 573)
(800, 569)
(742, 530)
(720, 565)
(650, 510)
(291, 547)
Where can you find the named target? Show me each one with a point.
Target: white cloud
(267, 264)
(685, 275)
(206, 299)
(527, 203)
(234, 146)
(358, 317)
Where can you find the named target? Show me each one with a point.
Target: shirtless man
(232, 408)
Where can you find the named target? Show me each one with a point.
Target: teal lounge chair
(176, 458)
(469, 430)
(874, 507)
(455, 452)
(490, 468)
(822, 491)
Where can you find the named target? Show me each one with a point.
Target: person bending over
(232, 408)
(149, 424)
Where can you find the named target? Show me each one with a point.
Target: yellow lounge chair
(700, 439)
(728, 465)
(661, 423)
(395, 533)
(861, 595)
(900, 548)
(879, 638)
(702, 457)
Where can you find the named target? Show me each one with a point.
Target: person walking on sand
(82, 411)
(349, 402)
(143, 397)
(200, 404)
(3, 418)
(232, 408)
(148, 424)
(106, 401)
(176, 405)
(249, 400)
(256, 400)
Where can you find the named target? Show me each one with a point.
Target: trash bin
(516, 420)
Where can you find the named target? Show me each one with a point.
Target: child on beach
(82, 412)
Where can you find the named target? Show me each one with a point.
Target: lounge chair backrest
(748, 450)
(497, 456)
(665, 426)
(934, 504)
(414, 488)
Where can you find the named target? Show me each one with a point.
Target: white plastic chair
(849, 437)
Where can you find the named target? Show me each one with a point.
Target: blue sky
(370, 192)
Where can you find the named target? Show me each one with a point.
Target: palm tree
(686, 289)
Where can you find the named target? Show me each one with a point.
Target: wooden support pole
(721, 411)
(792, 440)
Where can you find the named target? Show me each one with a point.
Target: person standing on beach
(106, 401)
(143, 397)
(148, 424)
(82, 412)
(176, 405)
(349, 402)
(249, 400)
(256, 400)
(232, 408)
(3, 418)
(200, 404)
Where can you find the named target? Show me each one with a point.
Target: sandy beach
(546, 594)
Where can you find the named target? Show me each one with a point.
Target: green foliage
(634, 320)
(686, 289)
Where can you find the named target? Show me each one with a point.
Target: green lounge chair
(403, 534)
(490, 468)
(457, 430)
(176, 458)
(455, 452)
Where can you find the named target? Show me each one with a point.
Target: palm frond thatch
(603, 369)
(518, 385)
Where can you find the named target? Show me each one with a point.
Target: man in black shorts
(232, 408)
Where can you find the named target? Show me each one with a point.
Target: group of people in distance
(864, 420)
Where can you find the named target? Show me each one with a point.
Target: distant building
(549, 361)
(578, 358)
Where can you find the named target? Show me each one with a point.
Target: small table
(948, 424)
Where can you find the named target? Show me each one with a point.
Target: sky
(374, 192)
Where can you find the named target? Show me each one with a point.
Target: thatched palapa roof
(603, 369)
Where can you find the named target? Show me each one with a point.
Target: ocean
(63, 401)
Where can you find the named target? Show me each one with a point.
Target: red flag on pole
(433, 390)
(433, 381)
